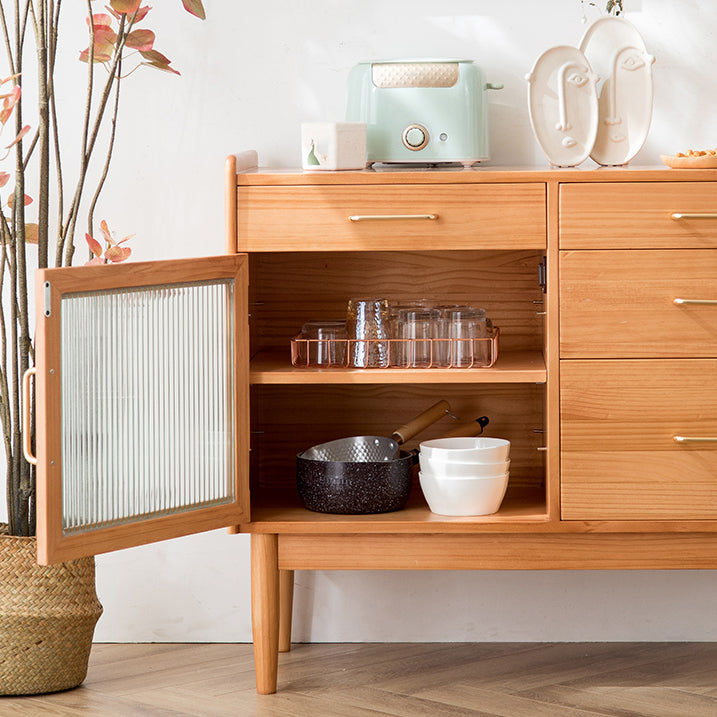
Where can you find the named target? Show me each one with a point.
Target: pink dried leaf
(99, 19)
(11, 200)
(9, 102)
(97, 56)
(195, 7)
(95, 246)
(140, 40)
(32, 233)
(97, 260)
(107, 235)
(157, 60)
(116, 254)
(125, 6)
(141, 13)
(4, 178)
(20, 135)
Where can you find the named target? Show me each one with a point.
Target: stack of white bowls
(464, 476)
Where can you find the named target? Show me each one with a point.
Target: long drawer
(621, 303)
(393, 216)
(620, 459)
(638, 215)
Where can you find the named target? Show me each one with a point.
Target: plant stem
(105, 171)
(89, 143)
(55, 125)
(43, 131)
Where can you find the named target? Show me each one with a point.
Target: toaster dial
(415, 137)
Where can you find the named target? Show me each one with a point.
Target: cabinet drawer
(619, 457)
(491, 216)
(621, 303)
(635, 215)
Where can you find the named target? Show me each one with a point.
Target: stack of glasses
(417, 335)
(379, 334)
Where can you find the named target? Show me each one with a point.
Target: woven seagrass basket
(47, 620)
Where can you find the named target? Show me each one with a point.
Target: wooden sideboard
(605, 386)
(168, 403)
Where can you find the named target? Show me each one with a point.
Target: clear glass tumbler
(367, 327)
(466, 330)
(326, 342)
(417, 329)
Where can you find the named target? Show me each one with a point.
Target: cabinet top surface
(475, 175)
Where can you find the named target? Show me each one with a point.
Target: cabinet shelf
(285, 514)
(274, 367)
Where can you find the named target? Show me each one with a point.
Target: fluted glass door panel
(147, 421)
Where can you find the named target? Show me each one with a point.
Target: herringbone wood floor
(411, 680)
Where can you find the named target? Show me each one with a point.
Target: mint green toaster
(421, 111)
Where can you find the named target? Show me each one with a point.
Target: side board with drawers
(606, 380)
(603, 283)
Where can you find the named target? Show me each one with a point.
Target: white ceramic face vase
(563, 105)
(618, 55)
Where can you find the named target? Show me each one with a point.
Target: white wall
(250, 74)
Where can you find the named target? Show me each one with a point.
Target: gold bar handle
(391, 217)
(26, 447)
(695, 439)
(695, 302)
(681, 215)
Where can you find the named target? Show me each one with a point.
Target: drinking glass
(417, 328)
(326, 342)
(464, 327)
(367, 327)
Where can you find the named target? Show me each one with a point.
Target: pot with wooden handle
(366, 449)
(362, 474)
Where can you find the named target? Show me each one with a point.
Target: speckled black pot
(353, 488)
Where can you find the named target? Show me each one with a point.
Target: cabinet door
(141, 403)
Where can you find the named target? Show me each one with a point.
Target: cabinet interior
(288, 288)
(288, 415)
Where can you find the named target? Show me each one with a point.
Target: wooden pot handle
(421, 422)
(468, 430)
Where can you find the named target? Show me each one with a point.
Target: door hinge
(47, 295)
(543, 275)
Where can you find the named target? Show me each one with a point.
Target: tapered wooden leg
(265, 610)
(286, 604)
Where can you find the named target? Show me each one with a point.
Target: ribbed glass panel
(147, 402)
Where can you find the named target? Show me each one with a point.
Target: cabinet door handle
(26, 447)
(695, 302)
(681, 215)
(391, 217)
(695, 439)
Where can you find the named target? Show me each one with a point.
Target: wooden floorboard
(402, 680)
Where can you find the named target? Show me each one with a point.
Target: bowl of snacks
(691, 159)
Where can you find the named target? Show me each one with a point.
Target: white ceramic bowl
(467, 450)
(463, 496)
(446, 469)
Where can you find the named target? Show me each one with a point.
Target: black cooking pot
(355, 488)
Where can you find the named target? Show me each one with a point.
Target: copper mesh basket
(441, 353)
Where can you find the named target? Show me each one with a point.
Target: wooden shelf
(274, 367)
(285, 514)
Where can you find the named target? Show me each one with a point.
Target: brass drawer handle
(695, 302)
(695, 439)
(680, 215)
(391, 217)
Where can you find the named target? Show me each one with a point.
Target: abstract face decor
(595, 100)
